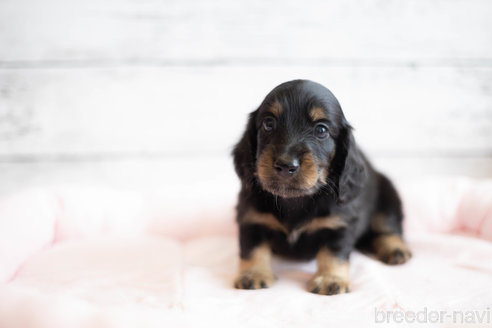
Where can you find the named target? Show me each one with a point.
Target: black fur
(353, 190)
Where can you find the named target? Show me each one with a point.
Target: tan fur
(317, 114)
(260, 259)
(378, 223)
(308, 174)
(276, 109)
(391, 249)
(332, 276)
(329, 222)
(323, 175)
(265, 164)
(386, 242)
(270, 221)
(306, 179)
(256, 271)
(266, 219)
(331, 265)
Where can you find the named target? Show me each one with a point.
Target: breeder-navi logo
(433, 316)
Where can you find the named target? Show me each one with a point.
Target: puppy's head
(298, 143)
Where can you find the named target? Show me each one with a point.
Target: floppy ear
(347, 169)
(244, 152)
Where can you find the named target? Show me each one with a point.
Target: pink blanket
(108, 258)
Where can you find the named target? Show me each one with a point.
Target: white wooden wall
(132, 93)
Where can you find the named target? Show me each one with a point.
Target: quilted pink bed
(82, 257)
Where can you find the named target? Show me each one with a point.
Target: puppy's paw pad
(328, 285)
(252, 279)
(396, 256)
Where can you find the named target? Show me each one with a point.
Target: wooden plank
(183, 111)
(367, 32)
(194, 177)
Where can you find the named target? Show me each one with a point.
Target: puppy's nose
(286, 168)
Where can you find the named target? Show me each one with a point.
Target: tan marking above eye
(317, 113)
(276, 109)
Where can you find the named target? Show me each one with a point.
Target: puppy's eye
(321, 131)
(268, 124)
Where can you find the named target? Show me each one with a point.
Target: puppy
(309, 192)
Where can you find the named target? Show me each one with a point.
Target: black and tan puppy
(309, 192)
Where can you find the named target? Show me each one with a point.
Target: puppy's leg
(332, 258)
(384, 237)
(255, 269)
(390, 248)
(332, 276)
(385, 241)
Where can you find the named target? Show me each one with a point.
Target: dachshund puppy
(309, 192)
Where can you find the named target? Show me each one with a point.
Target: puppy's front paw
(398, 255)
(254, 279)
(328, 285)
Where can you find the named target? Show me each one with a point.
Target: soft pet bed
(108, 258)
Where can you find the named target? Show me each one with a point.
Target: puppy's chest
(294, 229)
(291, 225)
